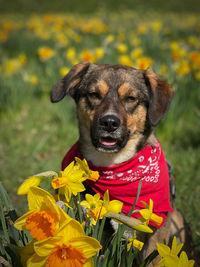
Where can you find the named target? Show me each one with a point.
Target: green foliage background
(36, 134)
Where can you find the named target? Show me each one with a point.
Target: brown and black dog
(117, 108)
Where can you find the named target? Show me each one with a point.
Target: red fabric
(122, 180)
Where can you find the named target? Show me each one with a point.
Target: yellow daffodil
(69, 247)
(89, 174)
(69, 182)
(97, 208)
(44, 216)
(184, 262)
(113, 206)
(169, 256)
(133, 242)
(92, 204)
(148, 215)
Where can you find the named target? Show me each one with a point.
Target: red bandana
(122, 180)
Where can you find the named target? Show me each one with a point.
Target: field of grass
(37, 50)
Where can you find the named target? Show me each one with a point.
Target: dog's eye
(130, 99)
(93, 95)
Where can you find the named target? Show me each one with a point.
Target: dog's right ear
(69, 82)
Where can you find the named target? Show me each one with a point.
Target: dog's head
(117, 105)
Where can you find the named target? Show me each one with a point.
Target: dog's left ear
(69, 82)
(160, 96)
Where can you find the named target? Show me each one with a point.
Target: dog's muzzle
(109, 134)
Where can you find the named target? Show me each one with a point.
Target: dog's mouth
(108, 142)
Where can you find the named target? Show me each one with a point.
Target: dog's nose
(110, 123)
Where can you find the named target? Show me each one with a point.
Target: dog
(117, 108)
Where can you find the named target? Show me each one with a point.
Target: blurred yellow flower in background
(122, 48)
(33, 79)
(99, 52)
(70, 53)
(144, 62)
(125, 60)
(87, 55)
(45, 53)
(182, 67)
(136, 53)
(64, 71)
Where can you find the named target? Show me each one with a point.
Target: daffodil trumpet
(130, 222)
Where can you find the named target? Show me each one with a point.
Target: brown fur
(132, 101)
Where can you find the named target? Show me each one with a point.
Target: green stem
(79, 208)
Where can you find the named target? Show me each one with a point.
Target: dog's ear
(69, 82)
(160, 96)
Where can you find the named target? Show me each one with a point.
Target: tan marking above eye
(99, 89)
(127, 92)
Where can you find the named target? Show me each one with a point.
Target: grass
(36, 134)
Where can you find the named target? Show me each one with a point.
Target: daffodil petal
(175, 247)
(89, 263)
(184, 262)
(76, 187)
(36, 197)
(70, 229)
(151, 205)
(67, 192)
(88, 245)
(163, 249)
(145, 214)
(115, 206)
(68, 169)
(85, 204)
(171, 261)
(28, 183)
(97, 197)
(90, 198)
(106, 197)
(36, 261)
(44, 247)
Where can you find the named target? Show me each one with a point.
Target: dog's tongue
(108, 142)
